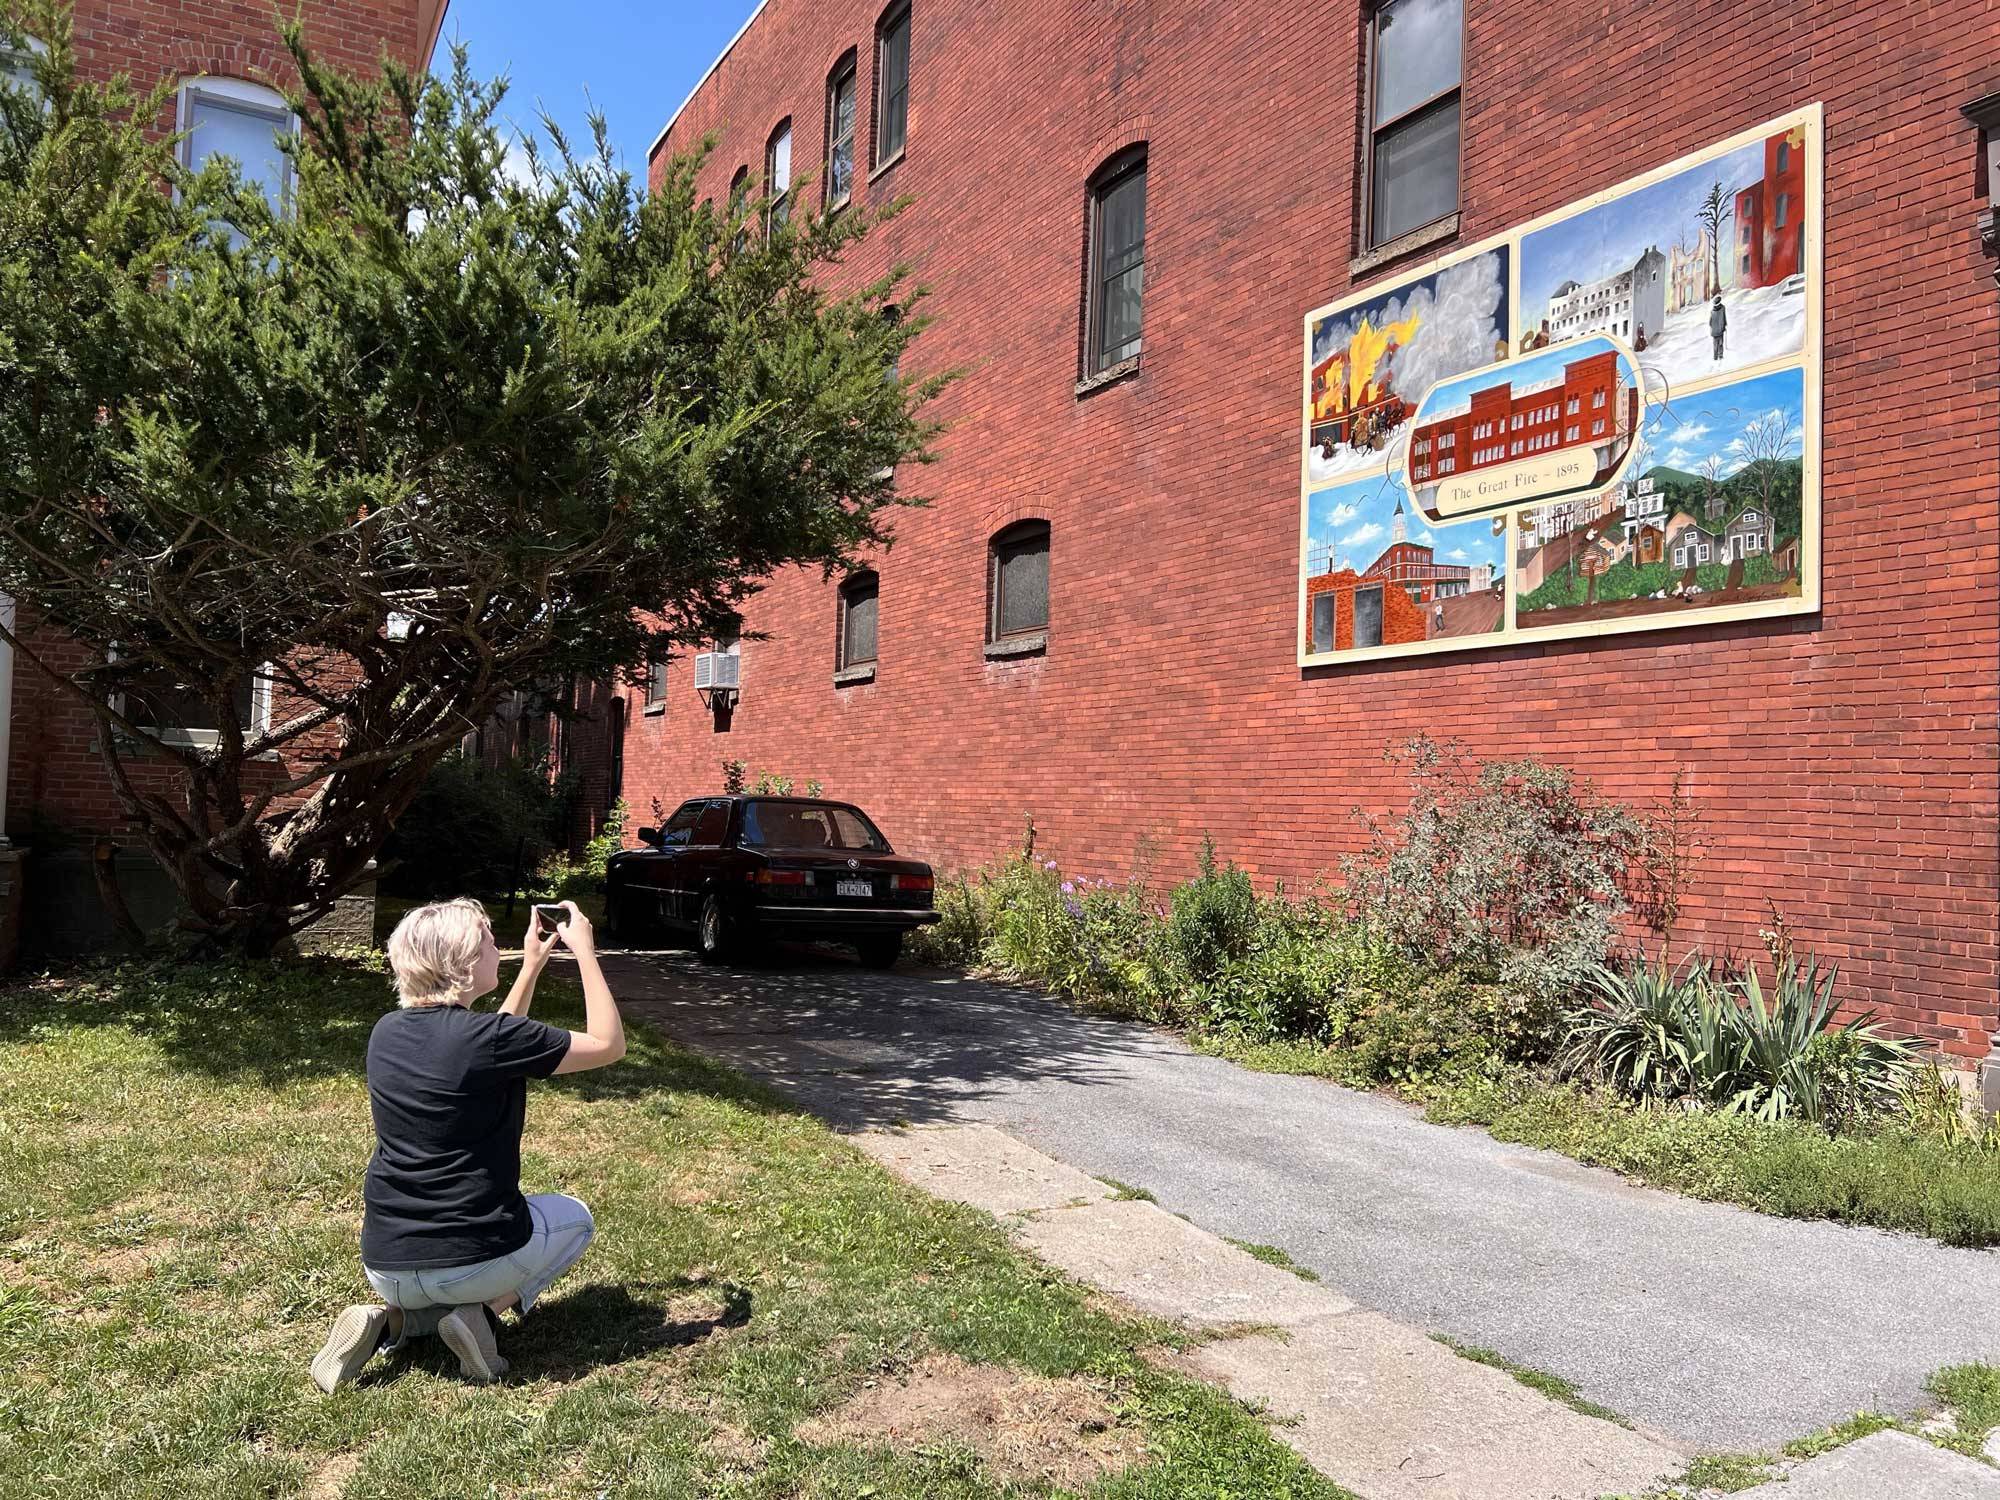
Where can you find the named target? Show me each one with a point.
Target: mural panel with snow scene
(1697, 288)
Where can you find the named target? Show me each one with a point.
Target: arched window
(243, 121)
(778, 175)
(860, 602)
(892, 82)
(1117, 270)
(838, 184)
(1018, 583)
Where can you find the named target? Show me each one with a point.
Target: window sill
(1125, 369)
(885, 167)
(654, 710)
(839, 203)
(1019, 645)
(849, 676)
(1434, 233)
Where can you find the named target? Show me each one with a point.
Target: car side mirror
(649, 836)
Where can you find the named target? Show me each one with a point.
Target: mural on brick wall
(1604, 420)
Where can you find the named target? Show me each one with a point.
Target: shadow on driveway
(868, 1048)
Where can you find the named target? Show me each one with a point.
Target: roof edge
(654, 148)
(435, 29)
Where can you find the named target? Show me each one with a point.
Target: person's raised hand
(576, 933)
(536, 945)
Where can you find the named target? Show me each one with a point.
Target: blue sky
(636, 62)
(1691, 429)
(1607, 239)
(1519, 374)
(1356, 518)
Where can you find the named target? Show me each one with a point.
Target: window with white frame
(243, 122)
(778, 176)
(175, 713)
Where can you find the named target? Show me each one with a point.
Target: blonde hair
(435, 949)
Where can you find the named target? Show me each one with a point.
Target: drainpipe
(1984, 112)
(11, 896)
(6, 707)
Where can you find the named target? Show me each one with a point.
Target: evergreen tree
(431, 431)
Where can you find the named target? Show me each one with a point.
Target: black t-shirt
(448, 1090)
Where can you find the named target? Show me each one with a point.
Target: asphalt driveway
(1714, 1326)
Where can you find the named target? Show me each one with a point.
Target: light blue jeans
(563, 1228)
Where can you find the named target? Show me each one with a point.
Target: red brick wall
(56, 784)
(1845, 764)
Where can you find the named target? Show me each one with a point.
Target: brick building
(1590, 402)
(57, 801)
(1134, 450)
(1769, 217)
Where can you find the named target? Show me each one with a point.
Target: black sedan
(735, 869)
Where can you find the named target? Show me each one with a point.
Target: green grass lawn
(180, 1165)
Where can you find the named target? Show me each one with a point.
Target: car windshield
(808, 825)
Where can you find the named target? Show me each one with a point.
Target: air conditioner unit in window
(718, 677)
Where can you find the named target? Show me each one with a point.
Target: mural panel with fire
(1688, 300)
(1372, 363)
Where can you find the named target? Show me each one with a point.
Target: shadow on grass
(282, 1022)
(567, 1337)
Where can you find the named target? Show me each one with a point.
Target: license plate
(855, 887)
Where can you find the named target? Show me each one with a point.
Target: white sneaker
(468, 1333)
(355, 1336)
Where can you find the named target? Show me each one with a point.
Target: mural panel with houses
(1711, 514)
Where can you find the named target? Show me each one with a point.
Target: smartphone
(549, 918)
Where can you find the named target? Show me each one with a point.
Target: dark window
(711, 825)
(1414, 71)
(1117, 260)
(681, 825)
(739, 189)
(840, 133)
(1323, 618)
(892, 82)
(1784, 207)
(656, 676)
(615, 777)
(1019, 584)
(778, 175)
(1784, 155)
(1368, 616)
(806, 825)
(859, 600)
(163, 706)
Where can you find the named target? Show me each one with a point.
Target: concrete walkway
(1372, 1404)
(1718, 1328)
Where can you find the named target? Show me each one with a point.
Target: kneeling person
(447, 1240)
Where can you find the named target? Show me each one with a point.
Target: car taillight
(782, 877)
(911, 882)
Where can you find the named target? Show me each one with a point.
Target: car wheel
(712, 933)
(880, 951)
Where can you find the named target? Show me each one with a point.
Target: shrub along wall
(1470, 960)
